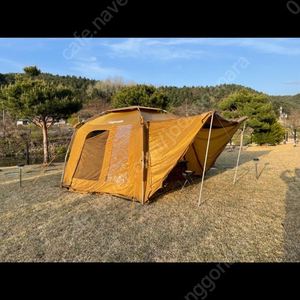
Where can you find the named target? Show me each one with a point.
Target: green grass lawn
(255, 220)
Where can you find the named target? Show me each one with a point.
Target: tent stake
(241, 145)
(207, 148)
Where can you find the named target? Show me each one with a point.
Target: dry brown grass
(241, 222)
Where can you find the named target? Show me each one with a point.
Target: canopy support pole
(143, 182)
(241, 145)
(206, 154)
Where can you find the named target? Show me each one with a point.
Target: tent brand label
(115, 122)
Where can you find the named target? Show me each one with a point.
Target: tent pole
(241, 145)
(143, 157)
(143, 182)
(143, 160)
(207, 148)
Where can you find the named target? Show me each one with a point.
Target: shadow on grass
(259, 174)
(226, 162)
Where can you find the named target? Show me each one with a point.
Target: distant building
(58, 122)
(282, 116)
(27, 121)
(23, 121)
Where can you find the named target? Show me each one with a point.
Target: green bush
(37, 134)
(61, 151)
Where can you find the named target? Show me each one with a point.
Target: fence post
(27, 153)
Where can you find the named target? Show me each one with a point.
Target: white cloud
(95, 70)
(162, 49)
(152, 49)
(273, 46)
(25, 44)
(292, 82)
(87, 58)
(16, 66)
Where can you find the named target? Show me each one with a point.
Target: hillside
(288, 103)
(194, 100)
(97, 98)
(183, 100)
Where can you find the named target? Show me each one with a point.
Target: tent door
(90, 163)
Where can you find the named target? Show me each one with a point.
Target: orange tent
(130, 151)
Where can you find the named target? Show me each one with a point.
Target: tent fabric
(168, 142)
(130, 151)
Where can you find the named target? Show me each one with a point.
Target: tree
(273, 136)
(260, 113)
(32, 71)
(140, 95)
(41, 102)
(294, 119)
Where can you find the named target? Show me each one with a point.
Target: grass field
(255, 220)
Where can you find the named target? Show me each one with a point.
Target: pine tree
(41, 102)
(260, 113)
(32, 71)
(272, 137)
(140, 95)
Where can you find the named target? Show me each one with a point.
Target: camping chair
(187, 174)
(177, 176)
(174, 181)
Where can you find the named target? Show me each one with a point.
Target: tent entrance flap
(90, 162)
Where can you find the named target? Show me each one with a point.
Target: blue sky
(269, 65)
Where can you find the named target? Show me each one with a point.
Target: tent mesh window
(91, 159)
(118, 165)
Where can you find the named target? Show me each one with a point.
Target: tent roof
(220, 122)
(148, 113)
(136, 108)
